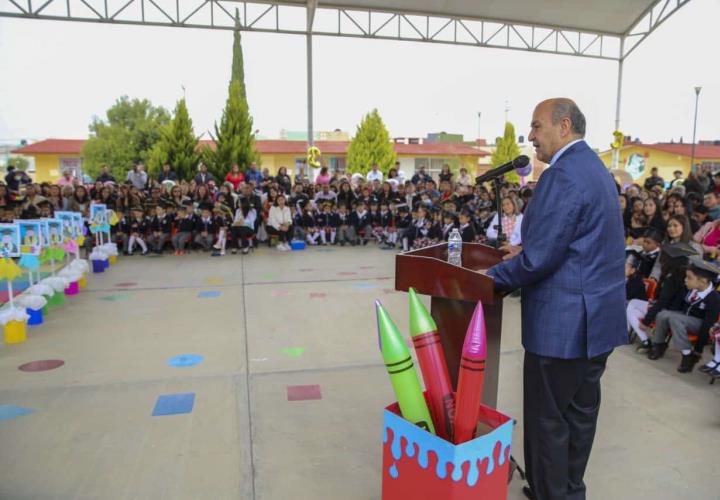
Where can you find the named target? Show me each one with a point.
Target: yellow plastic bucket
(82, 282)
(113, 259)
(15, 332)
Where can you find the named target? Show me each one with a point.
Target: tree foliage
(178, 145)
(506, 149)
(126, 136)
(234, 139)
(19, 162)
(370, 145)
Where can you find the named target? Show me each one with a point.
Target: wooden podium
(455, 292)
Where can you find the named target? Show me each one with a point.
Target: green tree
(370, 145)
(506, 149)
(177, 146)
(234, 139)
(126, 136)
(19, 162)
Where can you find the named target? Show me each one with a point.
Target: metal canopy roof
(605, 29)
(612, 17)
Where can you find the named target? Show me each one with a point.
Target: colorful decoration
(420, 465)
(402, 372)
(313, 155)
(433, 366)
(618, 140)
(9, 240)
(471, 377)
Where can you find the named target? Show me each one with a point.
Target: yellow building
(53, 156)
(637, 159)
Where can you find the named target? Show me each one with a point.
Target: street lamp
(692, 153)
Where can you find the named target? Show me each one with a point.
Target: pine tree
(177, 145)
(370, 145)
(506, 149)
(234, 139)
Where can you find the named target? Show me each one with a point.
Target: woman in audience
(651, 209)
(323, 177)
(678, 231)
(80, 201)
(346, 197)
(283, 180)
(235, 177)
(511, 222)
(445, 174)
(280, 223)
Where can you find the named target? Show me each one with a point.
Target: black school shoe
(710, 367)
(657, 351)
(644, 346)
(688, 362)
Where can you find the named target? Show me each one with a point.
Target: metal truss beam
(649, 21)
(316, 19)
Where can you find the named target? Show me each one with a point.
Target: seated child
(138, 227)
(184, 223)
(160, 228)
(312, 233)
(634, 284)
(204, 227)
(343, 229)
(221, 219)
(324, 220)
(467, 231)
(700, 311)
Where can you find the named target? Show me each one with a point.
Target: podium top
(428, 272)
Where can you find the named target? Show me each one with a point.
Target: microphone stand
(498, 206)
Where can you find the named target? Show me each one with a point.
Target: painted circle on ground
(185, 360)
(41, 365)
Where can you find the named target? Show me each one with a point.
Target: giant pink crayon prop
(471, 378)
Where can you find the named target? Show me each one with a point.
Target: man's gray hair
(566, 108)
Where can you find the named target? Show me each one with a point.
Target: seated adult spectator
(105, 175)
(235, 177)
(420, 176)
(709, 237)
(32, 196)
(325, 195)
(280, 223)
(654, 180)
(80, 201)
(166, 174)
(203, 176)
(651, 209)
(511, 223)
(283, 180)
(15, 178)
(445, 174)
(678, 231)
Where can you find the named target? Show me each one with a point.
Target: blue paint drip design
(473, 452)
(393, 471)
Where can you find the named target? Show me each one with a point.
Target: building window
(72, 164)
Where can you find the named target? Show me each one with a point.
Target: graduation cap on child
(703, 268)
(679, 249)
(206, 206)
(137, 208)
(654, 234)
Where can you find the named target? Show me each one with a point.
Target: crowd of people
(673, 238)
(672, 228)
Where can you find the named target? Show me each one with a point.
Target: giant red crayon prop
(471, 377)
(433, 366)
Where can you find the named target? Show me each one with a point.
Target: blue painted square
(174, 404)
(209, 294)
(9, 412)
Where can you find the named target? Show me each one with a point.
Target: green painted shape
(115, 298)
(293, 352)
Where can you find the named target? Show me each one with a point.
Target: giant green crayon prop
(433, 366)
(401, 370)
(471, 377)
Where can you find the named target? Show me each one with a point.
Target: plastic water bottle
(455, 248)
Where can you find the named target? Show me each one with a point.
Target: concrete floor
(92, 434)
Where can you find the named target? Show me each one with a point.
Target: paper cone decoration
(9, 270)
(29, 262)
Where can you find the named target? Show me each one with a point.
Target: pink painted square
(280, 293)
(303, 392)
(347, 273)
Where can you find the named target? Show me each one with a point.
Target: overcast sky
(57, 75)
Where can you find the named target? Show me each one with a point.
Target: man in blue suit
(571, 271)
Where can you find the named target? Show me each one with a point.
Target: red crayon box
(419, 465)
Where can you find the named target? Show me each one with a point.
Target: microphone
(519, 162)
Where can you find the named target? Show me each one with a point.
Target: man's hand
(511, 250)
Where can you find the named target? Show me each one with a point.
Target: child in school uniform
(449, 223)
(323, 220)
(204, 227)
(404, 224)
(184, 223)
(359, 221)
(160, 228)
(650, 251)
(387, 222)
(344, 234)
(671, 291)
(137, 229)
(422, 228)
(712, 367)
(467, 231)
(122, 234)
(634, 284)
(700, 311)
(435, 234)
(221, 219)
(312, 234)
(376, 222)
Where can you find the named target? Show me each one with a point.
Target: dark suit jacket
(572, 265)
